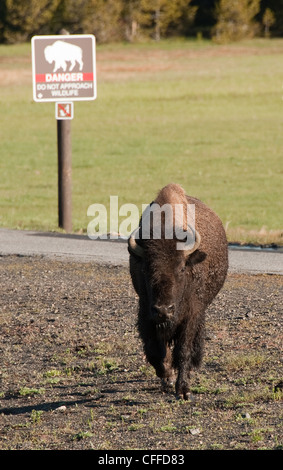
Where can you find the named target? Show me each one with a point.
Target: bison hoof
(184, 396)
(167, 385)
(183, 392)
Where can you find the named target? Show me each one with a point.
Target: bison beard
(175, 287)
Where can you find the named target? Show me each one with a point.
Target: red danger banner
(64, 77)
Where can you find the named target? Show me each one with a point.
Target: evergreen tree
(20, 19)
(130, 15)
(235, 19)
(103, 18)
(68, 15)
(162, 17)
(276, 6)
(268, 20)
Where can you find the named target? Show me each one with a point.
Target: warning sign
(64, 110)
(64, 67)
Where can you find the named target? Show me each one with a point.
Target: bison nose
(162, 313)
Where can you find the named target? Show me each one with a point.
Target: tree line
(134, 20)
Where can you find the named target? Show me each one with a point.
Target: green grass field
(206, 116)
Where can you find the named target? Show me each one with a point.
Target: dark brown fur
(175, 290)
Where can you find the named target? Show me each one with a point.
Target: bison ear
(195, 258)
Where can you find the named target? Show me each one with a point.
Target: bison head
(160, 276)
(161, 266)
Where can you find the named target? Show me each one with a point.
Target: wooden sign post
(64, 146)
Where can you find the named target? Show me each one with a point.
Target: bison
(175, 286)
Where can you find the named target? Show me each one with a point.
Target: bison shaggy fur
(175, 288)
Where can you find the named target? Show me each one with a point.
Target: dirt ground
(73, 374)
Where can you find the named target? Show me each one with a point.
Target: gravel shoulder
(73, 375)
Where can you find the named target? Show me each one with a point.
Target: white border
(67, 36)
(64, 118)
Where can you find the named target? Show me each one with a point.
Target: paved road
(78, 247)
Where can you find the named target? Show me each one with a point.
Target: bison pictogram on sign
(62, 52)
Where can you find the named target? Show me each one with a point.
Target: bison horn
(139, 251)
(196, 244)
(133, 246)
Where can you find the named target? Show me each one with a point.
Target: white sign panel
(63, 67)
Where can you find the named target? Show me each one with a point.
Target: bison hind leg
(198, 346)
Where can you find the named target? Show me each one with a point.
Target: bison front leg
(159, 355)
(169, 377)
(187, 354)
(182, 384)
